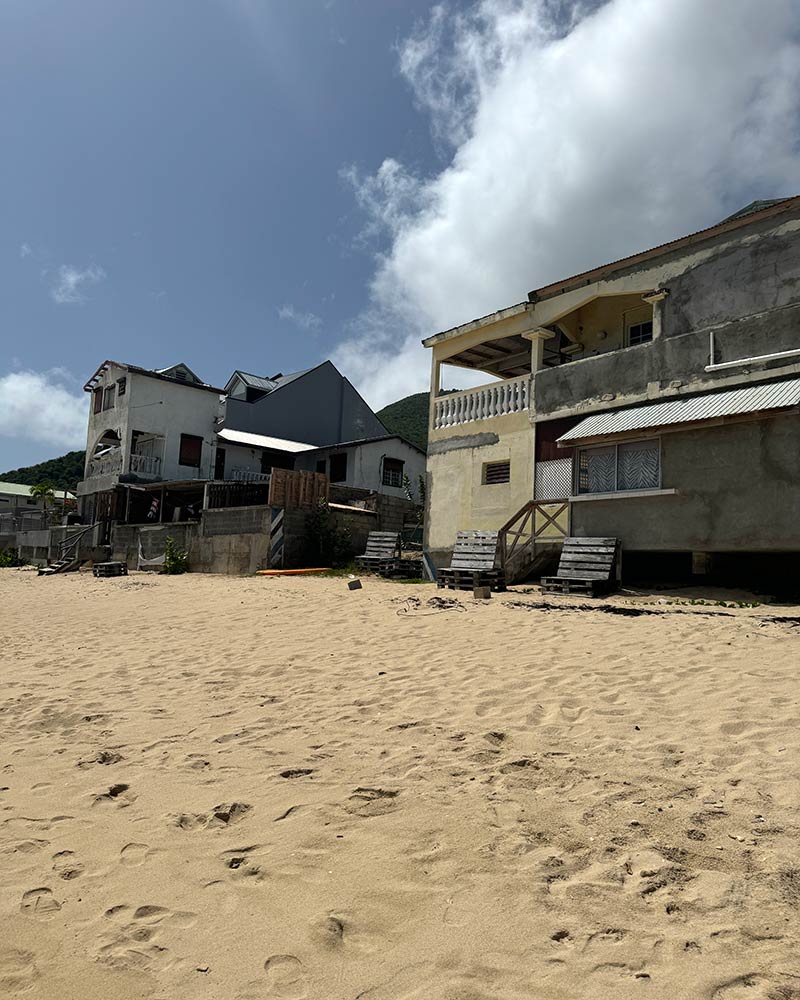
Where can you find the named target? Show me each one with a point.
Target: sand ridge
(250, 788)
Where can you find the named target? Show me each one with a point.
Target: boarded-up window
(338, 467)
(496, 472)
(191, 452)
(122, 385)
(392, 472)
(97, 400)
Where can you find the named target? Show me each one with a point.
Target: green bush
(328, 542)
(175, 560)
(10, 557)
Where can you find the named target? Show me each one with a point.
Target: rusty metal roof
(688, 409)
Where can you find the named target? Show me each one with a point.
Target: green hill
(64, 472)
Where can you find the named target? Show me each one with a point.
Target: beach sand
(253, 788)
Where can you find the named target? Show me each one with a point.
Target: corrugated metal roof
(263, 441)
(21, 490)
(728, 403)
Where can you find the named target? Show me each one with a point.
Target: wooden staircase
(526, 541)
(68, 560)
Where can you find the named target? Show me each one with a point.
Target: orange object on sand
(291, 572)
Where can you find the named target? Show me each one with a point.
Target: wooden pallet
(587, 566)
(474, 563)
(382, 552)
(110, 569)
(467, 579)
(404, 569)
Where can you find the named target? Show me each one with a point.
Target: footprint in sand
(749, 987)
(40, 903)
(132, 942)
(286, 977)
(17, 971)
(134, 855)
(66, 866)
(371, 801)
(118, 794)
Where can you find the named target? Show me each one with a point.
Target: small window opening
(392, 472)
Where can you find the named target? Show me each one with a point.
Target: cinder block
(481, 593)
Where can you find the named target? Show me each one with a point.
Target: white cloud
(575, 138)
(43, 407)
(305, 320)
(70, 282)
(25, 250)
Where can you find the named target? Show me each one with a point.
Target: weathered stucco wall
(457, 498)
(739, 490)
(746, 288)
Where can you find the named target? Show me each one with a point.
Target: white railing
(145, 465)
(107, 465)
(246, 476)
(483, 403)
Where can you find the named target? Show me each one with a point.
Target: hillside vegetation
(64, 472)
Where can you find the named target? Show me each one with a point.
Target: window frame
(339, 456)
(578, 492)
(485, 481)
(185, 439)
(398, 462)
(633, 326)
(109, 397)
(97, 400)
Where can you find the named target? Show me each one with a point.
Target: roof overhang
(477, 324)
(675, 413)
(263, 441)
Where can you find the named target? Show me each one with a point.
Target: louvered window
(635, 465)
(496, 472)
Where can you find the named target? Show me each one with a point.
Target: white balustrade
(106, 465)
(246, 476)
(145, 465)
(483, 403)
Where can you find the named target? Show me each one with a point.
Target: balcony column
(656, 300)
(537, 337)
(436, 366)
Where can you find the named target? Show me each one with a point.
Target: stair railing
(537, 520)
(68, 546)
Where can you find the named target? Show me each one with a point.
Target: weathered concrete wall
(746, 288)
(739, 490)
(457, 498)
(33, 546)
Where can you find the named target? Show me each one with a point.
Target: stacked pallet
(587, 566)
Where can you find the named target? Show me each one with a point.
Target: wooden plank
(600, 560)
(574, 540)
(574, 574)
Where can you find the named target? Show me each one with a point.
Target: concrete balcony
(482, 403)
(145, 466)
(105, 465)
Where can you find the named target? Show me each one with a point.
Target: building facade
(654, 399)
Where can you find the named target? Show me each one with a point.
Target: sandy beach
(252, 788)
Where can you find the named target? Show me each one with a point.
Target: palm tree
(44, 491)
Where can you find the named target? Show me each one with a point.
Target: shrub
(328, 542)
(10, 557)
(175, 560)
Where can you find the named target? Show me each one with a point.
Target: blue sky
(266, 183)
(186, 158)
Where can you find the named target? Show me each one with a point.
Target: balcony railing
(246, 476)
(106, 465)
(145, 465)
(494, 400)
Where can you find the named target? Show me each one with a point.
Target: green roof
(21, 490)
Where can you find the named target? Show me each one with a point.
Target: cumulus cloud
(71, 282)
(25, 250)
(43, 407)
(304, 320)
(575, 134)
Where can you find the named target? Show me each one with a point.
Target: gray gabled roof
(266, 384)
(688, 409)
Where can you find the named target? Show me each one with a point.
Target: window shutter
(638, 466)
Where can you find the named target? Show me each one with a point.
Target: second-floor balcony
(482, 403)
(146, 466)
(107, 464)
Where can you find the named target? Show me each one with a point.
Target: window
(640, 333)
(97, 400)
(337, 465)
(392, 472)
(496, 472)
(635, 465)
(191, 451)
(122, 385)
(108, 398)
(31, 501)
(321, 466)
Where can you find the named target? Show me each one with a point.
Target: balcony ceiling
(506, 357)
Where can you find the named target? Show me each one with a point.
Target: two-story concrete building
(654, 399)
